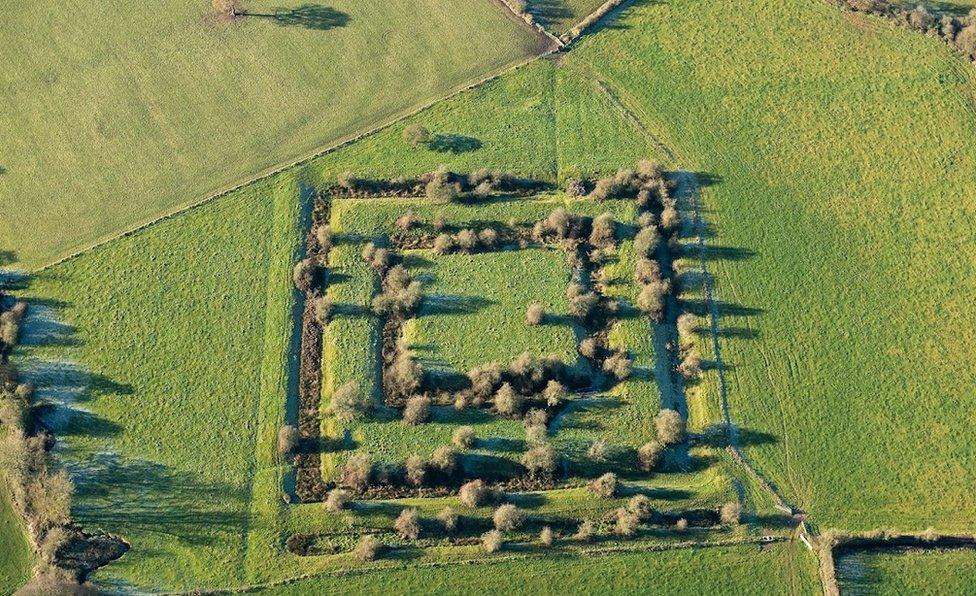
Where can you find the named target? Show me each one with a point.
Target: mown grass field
(781, 569)
(841, 208)
(16, 556)
(114, 116)
(154, 347)
(908, 572)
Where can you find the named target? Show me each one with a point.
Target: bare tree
(407, 524)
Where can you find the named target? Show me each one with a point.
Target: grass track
(130, 112)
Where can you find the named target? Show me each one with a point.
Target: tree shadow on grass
(308, 16)
(454, 304)
(454, 143)
(548, 12)
(134, 495)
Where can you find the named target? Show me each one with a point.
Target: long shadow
(454, 143)
(548, 12)
(308, 16)
(717, 436)
(129, 495)
(453, 304)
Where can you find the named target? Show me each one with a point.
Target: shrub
(597, 451)
(404, 377)
(323, 309)
(463, 437)
(52, 542)
(535, 314)
(536, 434)
(731, 513)
(407, 524)
(626, 523)
(368, 548)
(646, 271)
(557, 222)
(649, 169)
(545, 536)
(649, 455)
(619, 365)
(440, 221)
(417, 410)
(226, 8)
(444, 459)
(408, 220)
(585, 531)
(474, 493)
(670, 427)
(645, 220)
(337, 500)
(348, 403)
(691, 365)
(640, 505)
(416, 470)
(650, 301)
(356, 472)
(484, 379)
(646, 241)
(508, 402)
(554, 393)
(288, 438)
(448, 519)
(416, 135)
(488, 237)
(670, 219)
(440, 188)
(443, 244)
(588, 348)
(541, 460)
(582, 305)
(508, 517)
(681, 525)
(575, 187)
(466, 240)
(347, 180)
(323, 234)
(605, 486)
(603, 231)
(686, 326)
(303, 275)
(492, 541)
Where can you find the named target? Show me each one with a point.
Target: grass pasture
(780, 569)
(839, 197)
(132, 110)
(154, 347)
(16, 555)
(913, 571)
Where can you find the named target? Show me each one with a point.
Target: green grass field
(474, 308)
(840, 204)
(781, 569)
(16, 556)
(908, 572)
(842, 211)
(130, 112)
(155, 346)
